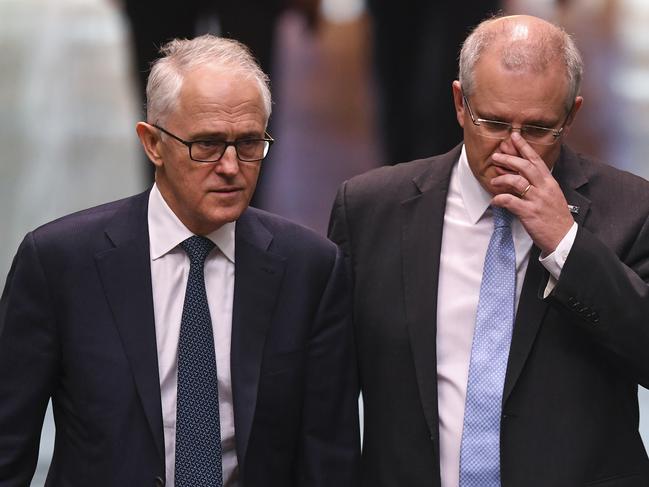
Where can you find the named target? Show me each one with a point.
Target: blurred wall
(67, 113)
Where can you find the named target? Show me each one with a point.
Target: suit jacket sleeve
(28, 363)
(330, 432)
(608, 295)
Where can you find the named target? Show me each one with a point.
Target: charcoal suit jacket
(77, 325)
(570, 408)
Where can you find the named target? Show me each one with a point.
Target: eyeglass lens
(495, 129)
(213, 150)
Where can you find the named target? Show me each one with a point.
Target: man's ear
(573, 113)
(459, 103)
(150, 138)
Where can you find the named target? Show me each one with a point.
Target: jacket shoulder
(401, 180)
(87, 228)
(616, 179)
(389, 178)
(292, 236)
(614, 193)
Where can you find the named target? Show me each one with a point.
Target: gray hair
(534, 53)
(180, 56)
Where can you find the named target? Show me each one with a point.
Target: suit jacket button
(159, 482)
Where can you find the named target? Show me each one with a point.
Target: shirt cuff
(554, 262)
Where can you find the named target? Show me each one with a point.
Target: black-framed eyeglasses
(494, 129)
(211, 150)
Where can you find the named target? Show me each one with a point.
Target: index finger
(519, 165)
(526, 150)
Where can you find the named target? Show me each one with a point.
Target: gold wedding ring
(524, 192)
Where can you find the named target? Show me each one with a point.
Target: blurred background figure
(70, 98)
(68, 113)
(252, 22)
(416, 45)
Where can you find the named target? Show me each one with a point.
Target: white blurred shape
(341, 11)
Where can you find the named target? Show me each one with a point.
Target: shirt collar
(476, 198)
(166, 231)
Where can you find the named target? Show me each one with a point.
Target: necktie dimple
(480, 450)
(198, 431)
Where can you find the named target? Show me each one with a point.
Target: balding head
(522, 43)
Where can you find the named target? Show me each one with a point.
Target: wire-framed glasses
(494, 129)
(211, 150)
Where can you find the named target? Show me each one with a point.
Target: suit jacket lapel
(422, 224)
(531, 310)
(258, 276)
(531, 307)
(571, 178)
(125, 272)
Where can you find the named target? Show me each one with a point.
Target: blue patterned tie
(198, 432)
(480, 452)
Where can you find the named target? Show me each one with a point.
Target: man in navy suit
(91, 313)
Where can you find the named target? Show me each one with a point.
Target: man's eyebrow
(251, 134)
(542, 122)
(207, 135)
(218, 135)
(538, 122)
(489, 116)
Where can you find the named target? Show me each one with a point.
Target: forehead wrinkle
(517, 111)
(208, 103)
(205, 88)
(208, 121)
(218, 117)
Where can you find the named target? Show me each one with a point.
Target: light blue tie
(480, 452)
(198, 430)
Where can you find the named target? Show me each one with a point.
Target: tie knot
(502, 217)
(197, 248)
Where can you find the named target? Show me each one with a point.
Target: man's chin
(488, 187)
(495, 191)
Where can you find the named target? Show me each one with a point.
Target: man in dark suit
(549, 399)
(165, 369)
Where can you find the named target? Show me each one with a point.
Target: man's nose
(507, 146)
(229, 162)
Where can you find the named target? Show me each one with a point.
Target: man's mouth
(227, 189)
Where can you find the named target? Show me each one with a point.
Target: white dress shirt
(468, 225)
(169, 272)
